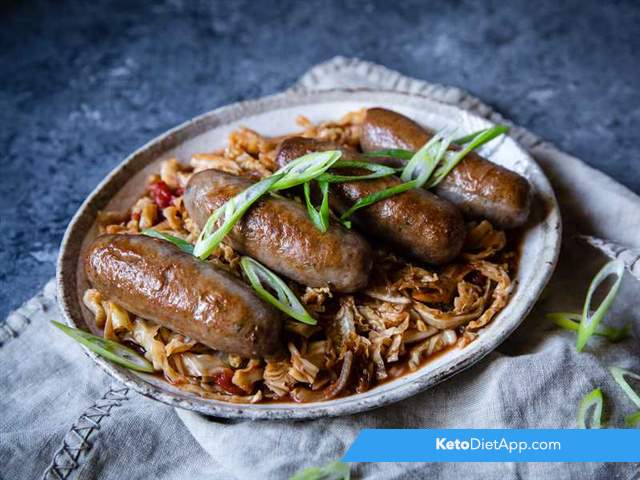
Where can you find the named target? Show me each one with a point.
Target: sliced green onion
(451, 159)
(320, 217)
(468, 138)
(425, 160)
(232, 211)
(333, 471)
(618, 375)
(286, 301)
(571, 321)
(108, 349)
(306, 168)
(632, 420)
(592, 399)
(399, 153)
(589, 323)
(377, 169)
(178, 242)
(376, 197)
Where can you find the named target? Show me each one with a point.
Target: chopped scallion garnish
(108, 349)
(333, 471)
(571, 321)
(589, 323)
(391, 153)
(425, 160)
(178, 242)
(306, 168)
(427, 167)
(632, 420)
(286, 300)
(376, 197)
(377, 169)
(592, 399)
(319, 217)
(618, 375)
(468, 138)
(230, 213)
(451, 159)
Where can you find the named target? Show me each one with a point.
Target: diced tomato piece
(223, 380)
(161, 194)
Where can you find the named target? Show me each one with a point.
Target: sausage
(156, 281)
(278, 232)
(416, 222)
(478, 187)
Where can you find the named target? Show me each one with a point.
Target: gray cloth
(63, 418)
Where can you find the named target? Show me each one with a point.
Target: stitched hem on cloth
(18, 321)
(76, 441)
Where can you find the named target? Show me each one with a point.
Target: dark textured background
(83, 85)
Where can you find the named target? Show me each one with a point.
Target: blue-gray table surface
(82, 85)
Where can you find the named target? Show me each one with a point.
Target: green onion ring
(571, 321)
(333, 471)
(306, 168)
(592, 399)
(399, 153)
(376, 197)
(108, 349)
(320, 217)
(378, 170)
(232, 210)
(618, 375)
(178, 242)
(451, 159)
(287, 302)
(425, 160)
(632, 420)
(468, 138)
(589, 323)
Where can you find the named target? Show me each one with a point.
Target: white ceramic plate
(275, 116)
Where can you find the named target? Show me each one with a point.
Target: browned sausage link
(480, 188)
(154, 280)
(417, 222)
(279, 233)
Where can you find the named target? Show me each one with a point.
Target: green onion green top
(286, 300)
(333, 471)
(178, 242)
(589, 323)
(108, 349)
(592, 399)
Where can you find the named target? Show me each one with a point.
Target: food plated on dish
(311, 266)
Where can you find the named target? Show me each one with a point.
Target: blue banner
(499, 445)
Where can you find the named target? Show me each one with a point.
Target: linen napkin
(62, 417)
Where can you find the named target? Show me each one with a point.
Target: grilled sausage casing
(417, 222)
(478, 187)
(154, 280)
(279, 233)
